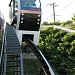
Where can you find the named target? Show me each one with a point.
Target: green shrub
(59, 47)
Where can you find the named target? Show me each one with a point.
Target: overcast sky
(64, 9)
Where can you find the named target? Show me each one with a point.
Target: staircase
(13, 61)
(13, 64)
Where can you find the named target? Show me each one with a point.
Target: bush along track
(58, 46)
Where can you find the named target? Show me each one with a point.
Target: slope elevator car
(25, 16)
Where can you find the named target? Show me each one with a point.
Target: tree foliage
(73, 18)
(59, 48)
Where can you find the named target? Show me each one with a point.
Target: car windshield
(30, 5)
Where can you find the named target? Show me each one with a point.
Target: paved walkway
(59, 27)
(64, 28)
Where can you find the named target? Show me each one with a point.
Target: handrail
(2, 51)
(46, 66)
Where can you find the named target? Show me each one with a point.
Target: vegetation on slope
(59, 48)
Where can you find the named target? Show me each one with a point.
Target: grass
(31, 67)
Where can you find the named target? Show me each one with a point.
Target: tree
(73, 18)
(45, 23)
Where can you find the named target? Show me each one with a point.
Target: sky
(64, 9)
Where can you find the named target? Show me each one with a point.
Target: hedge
(58, 46)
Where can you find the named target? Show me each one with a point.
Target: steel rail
(46, 66)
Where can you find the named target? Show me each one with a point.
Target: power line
(66, 6)
(48, 17)
(60, 9)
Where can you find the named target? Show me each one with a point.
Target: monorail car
(26, 14)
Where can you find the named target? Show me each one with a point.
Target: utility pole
(53, 4)
(54, 12)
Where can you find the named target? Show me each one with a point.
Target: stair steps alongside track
(13, 61)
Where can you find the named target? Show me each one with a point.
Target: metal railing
(46, 68)
(2, 52)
